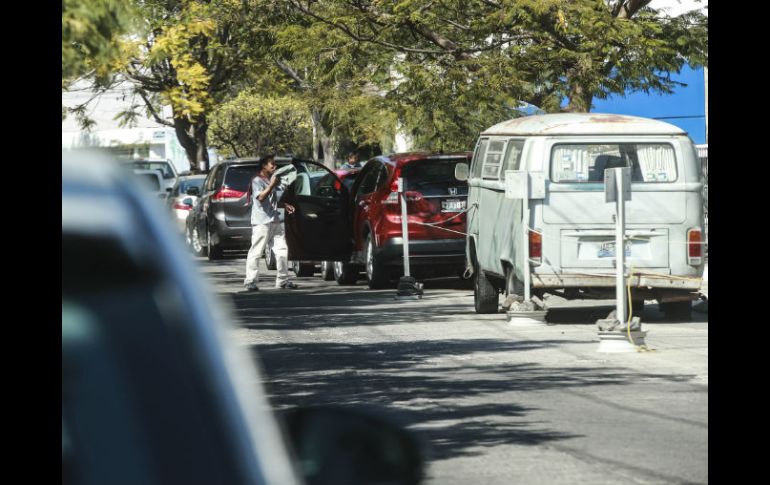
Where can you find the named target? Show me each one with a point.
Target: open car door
(320, 227)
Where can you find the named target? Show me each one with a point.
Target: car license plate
(452, 205)
(607, 250)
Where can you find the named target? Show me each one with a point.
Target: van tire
(376, 273)
(677, 310)
(485, 295)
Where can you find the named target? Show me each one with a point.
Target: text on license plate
(607, 250)
(452, 205)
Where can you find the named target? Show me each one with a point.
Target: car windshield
(164, 167)
(434, 177)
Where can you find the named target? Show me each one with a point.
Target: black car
(221, 218)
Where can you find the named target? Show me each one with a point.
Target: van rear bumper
(545, 280)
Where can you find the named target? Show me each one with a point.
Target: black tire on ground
(376, 273)
(677, 310)
(214, 250)
(303, 269)
(345, 273)
(197, 248)
(485, 295)
(327, 270)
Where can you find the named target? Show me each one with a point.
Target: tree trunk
(193, 139)
(328, 141)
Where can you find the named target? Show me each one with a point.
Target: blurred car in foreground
(182, 198)
(154, 390)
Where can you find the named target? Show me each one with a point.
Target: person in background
(266, 226)
(353, 161)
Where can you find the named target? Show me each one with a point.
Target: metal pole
(620, 248)
(527, 265)
(404, 225)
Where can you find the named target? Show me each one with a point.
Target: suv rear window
(239, 177)
(434, 177)
(579, 163)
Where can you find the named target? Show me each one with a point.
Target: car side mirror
(461, 172)
(343, 445)
(192, 191)
(187, 201)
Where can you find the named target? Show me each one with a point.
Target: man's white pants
(260, 235)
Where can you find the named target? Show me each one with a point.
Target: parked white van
(571, 228)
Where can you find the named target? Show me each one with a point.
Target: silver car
(183, 196)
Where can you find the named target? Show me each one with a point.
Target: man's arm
(269, 189)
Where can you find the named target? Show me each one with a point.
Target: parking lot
(493, 403)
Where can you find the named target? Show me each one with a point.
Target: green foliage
(252, 125)
(91, 32)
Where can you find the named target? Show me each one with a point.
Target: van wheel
(677, 310)
(345, 273)
(485, 296)
(375, 272)
(327, 270)
(215, 250)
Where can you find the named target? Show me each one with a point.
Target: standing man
(352, 162)
(266, 226)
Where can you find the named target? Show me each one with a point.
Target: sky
(687, 101)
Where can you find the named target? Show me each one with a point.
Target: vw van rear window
(578, 163)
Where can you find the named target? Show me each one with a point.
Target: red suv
(371, 239)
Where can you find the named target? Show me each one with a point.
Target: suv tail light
(694, 247)
(535, 247)
(228, 193)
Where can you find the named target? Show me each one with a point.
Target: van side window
(513, 155)
(493, 159)
(478, 157)
(649, 162)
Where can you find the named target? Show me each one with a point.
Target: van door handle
(312, 215)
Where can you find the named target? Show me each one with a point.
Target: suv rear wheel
(198, 249)
(270, 258)
(215, 250)
(345, 273)
(376, 274)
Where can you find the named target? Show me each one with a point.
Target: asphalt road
(493, 403)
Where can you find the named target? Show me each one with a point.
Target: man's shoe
(251, 287)
(289, 285)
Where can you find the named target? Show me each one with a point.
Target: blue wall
(686, 101)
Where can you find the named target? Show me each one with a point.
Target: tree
(252, 125)
(190, 55)
(534, 51)
(91, 31)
